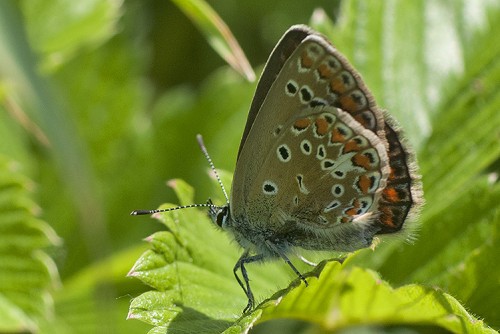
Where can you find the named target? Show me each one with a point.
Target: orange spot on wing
(351, 146)
(361, 160)
(321, 126)
(345, 220)
(306, 61)
(356, 204)
(351, 212)
(337, 136)
(365, 184)
(302, 123)
(337, 85)
(391, 194)
(347, 103)
(325, 71)
(387, 217)
(361, 118)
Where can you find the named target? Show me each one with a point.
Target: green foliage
(188, 267)
(27, 274)
(457, 133)
(85, 114)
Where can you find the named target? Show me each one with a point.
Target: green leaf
(190, 266)
(458, 229)
(27, 274)
(194, 290)
(338, 298)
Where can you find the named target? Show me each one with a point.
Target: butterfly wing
(282, 51)
(305, 72)
(324, 175)
(314, 74)
(402, 198)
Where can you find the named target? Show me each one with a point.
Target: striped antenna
(209, 204)
(203, 148)
(150, 212)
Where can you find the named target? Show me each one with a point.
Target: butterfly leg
(244, 259)
(287, 260)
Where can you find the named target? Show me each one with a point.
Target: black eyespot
(268, 188)
(368, 119)
(337, 190)
(317, 102)
(284, 153)
(329, 118)
(358, 98)
(306, 148)
(299, 180)
(291, 88)
(333, 63)
(333, 205)
(346, 79)
(370, 157)
(321, 154)
(306, 95)
(328, 164)
(277, 131)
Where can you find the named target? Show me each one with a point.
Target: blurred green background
(101, 102)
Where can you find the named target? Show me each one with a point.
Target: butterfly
(320, 166)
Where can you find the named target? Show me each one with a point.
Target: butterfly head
(220, 215)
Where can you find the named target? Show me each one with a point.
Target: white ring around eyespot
(288, 156)
(322, 148)
(340, 187)
(332, 206)
(272, 188)
(295, 85)
(308, 143)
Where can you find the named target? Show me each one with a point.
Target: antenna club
(141, 212)
(199, 139)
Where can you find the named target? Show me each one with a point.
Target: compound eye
(222, 216)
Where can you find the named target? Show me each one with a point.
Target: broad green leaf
(338, 298)
(459, 175)
(190, 267)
